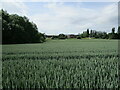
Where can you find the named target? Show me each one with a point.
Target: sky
(67, 17)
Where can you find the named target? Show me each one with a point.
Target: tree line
(92, 34)
(100, 34)
(17, 29)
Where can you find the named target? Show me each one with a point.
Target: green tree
(87, 32)
(118, 32)
(62, 36)
(91, 33)
(79, 37)
(113, 35)
(113, 30)
(18, 29)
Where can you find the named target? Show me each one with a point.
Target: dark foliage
(101, 35)
(78, 37)
(17, 29)
(54, 37)
(118, 32)
(62, 36)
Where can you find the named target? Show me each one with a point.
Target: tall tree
(113, 30)
(18, 29)
(113, 35)
(90, 33)
(118, 32)
(87, 32)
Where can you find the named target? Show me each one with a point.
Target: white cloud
(67, 19)
(59, 0)
(15, 8)
(61, 18)
(107, 18)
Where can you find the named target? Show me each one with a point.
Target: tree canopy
(101, 35)
(62, 36)
(18, 29)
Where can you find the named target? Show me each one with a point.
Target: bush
(79, 37)
(62, 36)
(54, 37)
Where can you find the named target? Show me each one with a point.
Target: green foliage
(101, 35)
(113, 30)
(55, 37)
(79, 37)
(113, 35)
(118, 32)
(87, 32)
(18, 29)
(61, 64)
(84, 35)
(62, 36)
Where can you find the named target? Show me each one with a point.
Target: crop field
(61, 64)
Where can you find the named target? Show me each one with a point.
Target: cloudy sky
(67, 17)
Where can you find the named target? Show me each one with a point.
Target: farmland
(61, 64)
